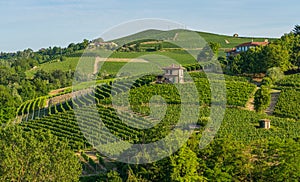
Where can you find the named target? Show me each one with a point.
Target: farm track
(274, 98)
(250, 104)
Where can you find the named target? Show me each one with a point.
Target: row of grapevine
(290, 81)
(288, 104)
(66, 126)
(237, 93)
(242, 125)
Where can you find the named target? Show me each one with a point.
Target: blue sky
(43, 23)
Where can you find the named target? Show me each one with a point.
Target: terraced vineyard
(243, 126)
(37, 108)
(290, 81)
(238, 93)
(240, 124)
(66, 124)
(288, 104)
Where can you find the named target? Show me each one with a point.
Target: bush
(275, 74)
(267, 81)
(262, 99)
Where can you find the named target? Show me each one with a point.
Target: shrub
(262, 99)
(267, 81)
(275, 74)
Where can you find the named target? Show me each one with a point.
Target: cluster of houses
(107, 45)
(245, 47)
(174, 73)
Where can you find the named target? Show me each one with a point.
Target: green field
(68, 64)
(288, 104)
(180, 56)
(112, 67)
(169, 35)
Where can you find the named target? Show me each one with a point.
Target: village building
(172, 74)
(245, 47)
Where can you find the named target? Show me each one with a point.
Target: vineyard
(243, 126)
(240, 124)
(290, 81)
(288, 104)
(65, 101)
(141, 91)
(238, 93)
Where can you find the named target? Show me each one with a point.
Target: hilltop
(225, 41)
(149, 40)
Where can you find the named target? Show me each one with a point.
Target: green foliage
(289, 81)
(288, 104)
(296, 30)
(36, 156)
(8, 104)
(206, 54)
(275, 74)
(267, 81)
(291, 42)
(242, 126)
(262, 99)
(184, 166)
(215, 47)
(283, 53)
(276, 56)
(276, 160)
(113, 176)
(237, 92)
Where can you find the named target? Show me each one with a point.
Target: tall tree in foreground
(185, 165)
(28, 156)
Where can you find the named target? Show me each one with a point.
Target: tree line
(282, 53)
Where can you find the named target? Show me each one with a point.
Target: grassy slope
(169, 35)
(179, 56)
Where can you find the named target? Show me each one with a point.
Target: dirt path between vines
(250, 104)
(274, 98)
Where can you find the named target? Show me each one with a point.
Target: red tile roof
(253, 44)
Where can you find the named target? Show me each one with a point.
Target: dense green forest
(44, 134)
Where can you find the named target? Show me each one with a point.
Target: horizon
(40, 24)
(111, 40)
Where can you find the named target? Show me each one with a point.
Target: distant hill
(179, 34)
(225, 40)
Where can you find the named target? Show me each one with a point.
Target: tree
(225, 159)
(276, 55)
(276, 160)
(262, 99)
(206, 54)
(215, 46)
(252, 62)
(234, 64)
(291, 42)
(296, 30)
(8, 105)
(28, 156)
(113, 176)
(184, 166)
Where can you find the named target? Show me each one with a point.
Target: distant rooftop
(254, 44)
